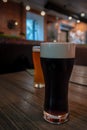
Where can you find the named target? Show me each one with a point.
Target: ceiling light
(16, 23)
(78, 21)
(27, 7)
(70, 18)
(43, 13)
(5, 0)
(82, 14)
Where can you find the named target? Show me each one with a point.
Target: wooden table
(79, 75)
(21, 105)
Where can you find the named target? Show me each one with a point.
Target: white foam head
(57, 50)
(36, 49)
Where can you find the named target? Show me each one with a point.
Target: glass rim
(36, 48)
(59, 43)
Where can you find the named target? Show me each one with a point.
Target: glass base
(39, 85)
(59, 119)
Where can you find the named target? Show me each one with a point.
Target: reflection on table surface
(21, 105)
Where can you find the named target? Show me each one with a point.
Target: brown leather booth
(16, 54)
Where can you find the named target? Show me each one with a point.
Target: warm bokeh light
(27, 7)
(16, 23)
(78, 21)
(70, 18)
(5, 0)
(82, 14)
(43, 13)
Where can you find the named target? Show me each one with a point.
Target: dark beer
(56, 72)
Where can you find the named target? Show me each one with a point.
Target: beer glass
(38, 74)
(57, 61)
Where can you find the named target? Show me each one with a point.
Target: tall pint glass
(57, 61)
(38, 74)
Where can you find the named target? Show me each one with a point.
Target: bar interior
(23, 25)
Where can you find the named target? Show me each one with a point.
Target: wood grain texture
(21, 105)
